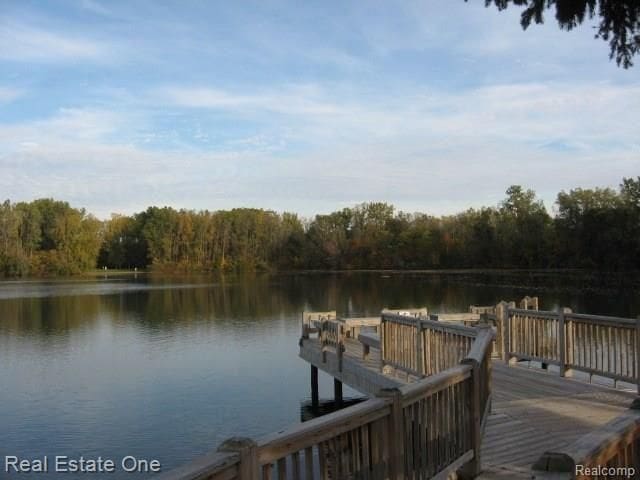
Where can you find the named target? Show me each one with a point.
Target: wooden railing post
(510, 332)
(340, 345)
(506, 332)
(382, 342)
(395, 434)
(323, 340)
(473, 468)
(568, 342)
(248, 467)
(562, 344)
(419, 348)
(305, 332)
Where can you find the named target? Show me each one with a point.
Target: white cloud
(431, 150)
(68, 125)
(293, 100)
(587, 117)
(95, 7)
(8, 94)
(26, 43)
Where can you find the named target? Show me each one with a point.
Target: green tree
(618, 20)
(523, 229)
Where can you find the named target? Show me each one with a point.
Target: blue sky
(434, 106)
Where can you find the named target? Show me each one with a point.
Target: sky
(309, 107)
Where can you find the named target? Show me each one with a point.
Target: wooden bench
(368, 340)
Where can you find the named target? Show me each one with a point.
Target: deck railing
(431, 427)
(330, 331)
(421, 347)
(311, 321)
(597, 345)
(606, 346)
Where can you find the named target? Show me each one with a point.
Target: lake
(167, 368)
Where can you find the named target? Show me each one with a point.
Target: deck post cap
(236, 444)
(470, 361)
(554, 462)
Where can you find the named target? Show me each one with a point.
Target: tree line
(590, 228)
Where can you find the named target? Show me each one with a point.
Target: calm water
(167, 368)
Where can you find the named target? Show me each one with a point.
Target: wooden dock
(490, 401)
(534, 410)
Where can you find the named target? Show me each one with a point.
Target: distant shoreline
(454, 271)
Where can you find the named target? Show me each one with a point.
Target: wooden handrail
(312, 432)
(434, 383)
(630, 322)
(309, 318)
(383, 437)
(481, 345)
(534, 313)
(593, 344)
(420, 347)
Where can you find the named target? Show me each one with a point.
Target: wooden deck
(534, 411)
(442, 408)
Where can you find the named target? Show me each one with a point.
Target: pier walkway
(533, 410)
(496, 393)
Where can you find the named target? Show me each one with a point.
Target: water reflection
(52, 308)
(168, 368)
(324, 407)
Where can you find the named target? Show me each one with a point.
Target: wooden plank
(601, 320)
(317, 430)
(600, 445)
(456, 317)
(360, 321)
(434, 383)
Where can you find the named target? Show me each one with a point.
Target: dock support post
(314, 388)
(337, 392)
